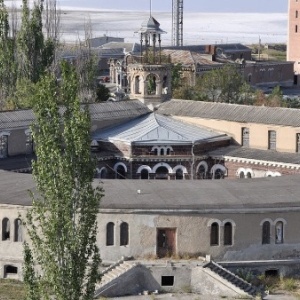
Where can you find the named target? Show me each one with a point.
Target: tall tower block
(293, 45)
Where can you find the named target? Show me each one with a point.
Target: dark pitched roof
(98, 111)
(205, 196)
(232, 112)
(256, 154)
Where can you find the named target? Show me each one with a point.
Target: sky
(264, 6)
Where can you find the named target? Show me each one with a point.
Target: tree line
(228, 85)
(29, 47)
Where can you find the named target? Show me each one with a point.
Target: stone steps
(232, 278)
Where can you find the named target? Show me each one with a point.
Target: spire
(150, 8)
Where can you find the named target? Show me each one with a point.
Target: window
(167, 280)
(29, 142)
(279, 232)
(296, 13)
(3, 146)
(266, 233)
(245, 137)
(124, 234)
(10, 271)
(242, 175)
(214, 234)
(298, 142)
(18, 231)
(228, 234)
(219, 174)
(249, 175)
(110, 228)
(272, 140)
(162, 151)
(5, 229)
(201, 172)
(296, 28)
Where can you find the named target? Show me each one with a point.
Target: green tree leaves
(62, 223)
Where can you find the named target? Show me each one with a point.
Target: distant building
(293, 46)
(101, 40)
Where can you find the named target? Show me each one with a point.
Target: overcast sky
(189, 5)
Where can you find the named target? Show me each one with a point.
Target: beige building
(234, 222)
(293, 45)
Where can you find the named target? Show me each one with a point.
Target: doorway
(166, 242)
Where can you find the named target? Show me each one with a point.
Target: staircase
(111, 275)
(232, 278)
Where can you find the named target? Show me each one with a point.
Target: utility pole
(177, 22)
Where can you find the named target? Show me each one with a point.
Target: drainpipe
(193, 161)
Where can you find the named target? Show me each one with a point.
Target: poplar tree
(62, 223)
(7, 59)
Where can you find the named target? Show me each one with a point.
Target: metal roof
(187, 57)
(256, 154)
(98, 111)
(151, 26)
(136, 196)
(232, 112)
(154, 128)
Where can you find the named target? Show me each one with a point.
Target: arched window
(137, 85)
(18, 231)
(168, 151)
(228, 234)
(249, 175)
(179, 174)
(279, 232)
(156, 151)
(144, 174)
(110, 228)
(151, 84)
(242, 175)
(124, 234)
(266, 233)
(103, 173)
(162, 151)
(214, 234)
(5, 229)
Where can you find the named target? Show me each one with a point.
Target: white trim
(210, 222)
(2, 133)
(280, 220)
(99, 171)
(162, 164)
(266, 220)
(272, 174)
(202, 163)
(120, 164)
(228, 221)
(28, 131)
(143, 167)
(183, 168)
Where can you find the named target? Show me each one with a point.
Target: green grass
(11, 290)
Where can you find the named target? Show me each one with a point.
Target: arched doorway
(144, 174)
(179, 174)
(219, 174)
(162, 173)
(120, 172)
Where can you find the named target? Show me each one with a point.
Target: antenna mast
(177, 22)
